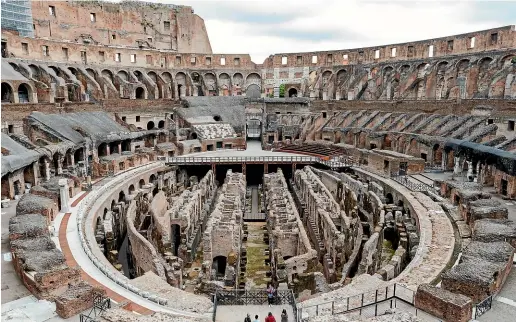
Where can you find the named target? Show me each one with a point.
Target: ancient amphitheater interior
(146, 178)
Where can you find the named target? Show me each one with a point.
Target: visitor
(256, 318)
(270, 318)
(270, 294)
(284, 316)
(247, 318)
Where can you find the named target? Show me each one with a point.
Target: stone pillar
(160, 182)
(470, 169)
(265, 168)
(243, 168)
(154, 141)
(108, 150)
(444, 160)
(72, 160)
(64, 195)
(120, 147)
(47, 170)
(59, 169)
(457, 167)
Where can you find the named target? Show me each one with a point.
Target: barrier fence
(253, 297)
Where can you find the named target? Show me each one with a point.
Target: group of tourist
(271, 294)
(269, 317)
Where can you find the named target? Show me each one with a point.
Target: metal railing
(244, 159)
(253, 297)
(414, 186)
(483, 306)
(430, 167)
(356, 302)
(101, 303)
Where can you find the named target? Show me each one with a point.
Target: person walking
(270, 294)
(247, 318)
(284, 316)
(256, 318)
(270, 318)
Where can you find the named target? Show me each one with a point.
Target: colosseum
(146, 178)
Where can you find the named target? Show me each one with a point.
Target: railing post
(375, 303)
(317, 310)
(332, 307)
(362, 300)
(347, 304)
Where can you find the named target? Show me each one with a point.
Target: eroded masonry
(151, 179)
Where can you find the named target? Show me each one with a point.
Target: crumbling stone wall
(223, 234)
(190, 211)
(289, 237)
(329, 227)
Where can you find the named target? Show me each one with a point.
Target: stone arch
(224, 84)
(238, 79)
(387, 141)
(7, 93)
(131, 189)
(292, 92)
(210, 83)
(219, 265)
(152, 75)
(139, 75)
(167, 77)
(141, 183)
(253, 91)
(161, 124)
(102, 149)
(462, 65)
(150, 125)
(181, 84)
(506, 60)
(91, 72)
(326, 76)
(107, 74)
(253, 78)
(25, 93)
(121, 196)
(56, 70)
(140, 93)
(152, 179)
(389, 199)
(73, 71)
(35, 70)
(484, 62)
(122, 74)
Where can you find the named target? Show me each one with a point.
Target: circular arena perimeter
(147, 178)
(432, 255)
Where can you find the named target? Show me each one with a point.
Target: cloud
(266, 27)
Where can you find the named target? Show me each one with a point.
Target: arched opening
(131, 189)
(102, 150)
(389, 199)
(29, 175)
(253, 91)
(7, 93)
(400, 203)
(161, 124)
(219, 265)
(126, 145)
(113, 147)
(56, 163)
(123, 75)
(105, 213)
(42, 168)
(193, 136)
(150, 125)
(140, 93)
(108, 75)
(78, 155)
(176, 238)
(113, 205)
(217, 118)
(292, 92)
(121, 196)
(141, 183)
(152, 179)
(24, 93)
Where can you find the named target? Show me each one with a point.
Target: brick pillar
(214, 169)
(243, 168)
(266, 168)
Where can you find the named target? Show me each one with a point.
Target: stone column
(59, 169)
(64, 195)
(457, 167)
(444, 161)
(72, 160)
(47, 169)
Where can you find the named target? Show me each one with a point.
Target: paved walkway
(237, 313)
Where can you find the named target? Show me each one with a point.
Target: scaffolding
(17, 15)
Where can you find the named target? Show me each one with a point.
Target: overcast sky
(266, 27)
